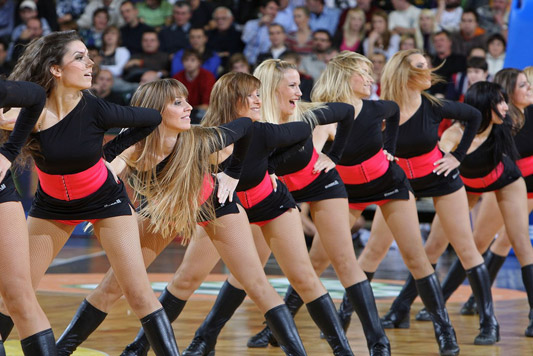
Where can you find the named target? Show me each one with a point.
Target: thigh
(488, 221)
(378, 244)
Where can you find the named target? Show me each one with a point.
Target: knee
(20, 303)
(186, 282)
(319, 264)
(139, 299)
(304, 281)
(256, 287)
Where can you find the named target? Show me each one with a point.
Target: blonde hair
(333, 85)
(418, 33)
(354, 12)
(172, 193)
(399, 74)
(270, 73)
(528, 71)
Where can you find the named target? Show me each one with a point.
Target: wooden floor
(121, 326)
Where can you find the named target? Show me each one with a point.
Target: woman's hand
(446, 164)
(5, 123)
(274, 180)
(5, 164)
(389, 157)
(323, 163)
(226, 187)
(112, 170)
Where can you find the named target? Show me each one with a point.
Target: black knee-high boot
(40, 344)
(6, 325)
(362, 297)
(431, 294)
(455, 277)
(398, 314)
(527, 278)
(265, 336)
(324, 314)
(173, 307)
(280, 321)
(228, 300)
(160, 334)
(494, 263)
(2, 350)
(488, 325)
(83, 324)
(346, 309)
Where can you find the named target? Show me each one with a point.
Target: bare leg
(378, 244)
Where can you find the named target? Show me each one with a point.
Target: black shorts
(326, 186)
(434, 185)
(8, 192)
(274, 205)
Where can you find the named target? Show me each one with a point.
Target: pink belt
(485, 181)
(365, 172)
(420, 166)
(256, 194)
(526, 166)
(302, 178)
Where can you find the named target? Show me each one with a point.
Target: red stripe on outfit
(76, 222)
(485, 181)
(208, 187)
(255, 195)
(365, 172)
(302, 178)
(420, 166)
(526, 167)
(363, 206)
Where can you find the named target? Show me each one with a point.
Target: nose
(298, 91)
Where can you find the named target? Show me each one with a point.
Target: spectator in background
(427, 26)
(151, 58)
(469, 35)
(449, 15)
(93, 36)
(198, 81)
(5, 66)
(149, 76)
(477, 52)
(476, 71)
(451, 63)
(238, 63)
(378, 61)
(113, 9)
(285, 16)
(34, 29)
(225, 39)
(103, 85)
(7, 18)
(133, 30)
(255, 32)
(322, 17)
(27, 11)
(404, 19)
(306, 81)
(154, 13)
(380, 39)
(277, 36)
(407, 41)
(69, 10)
(315, 63)
(301, 40)
(495, 53)
(494, 18)
(176, 36)
(202, 13)
(210, 60)
(114, 57)
(351, 37)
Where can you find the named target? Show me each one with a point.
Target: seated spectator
(380, 39)
(133, 30)
(477, 52)
(407, 41)
(93, 35)
(476, 71)
(496, 53)
(103, 85)
(202, 12)
(175, 36)
(449, 62)
(314, 64)
(255, 32)
(198, 81)
(404, 18)
(427, 26)
(494, 17)
(322, 17)
(155, 13)
(69, 10)
(449, 15)
(351, 37)
(285, 16)
(277, 36)
(114, 57)
(5, 66)
(151, 58)
(34, 29)
(112, 7)
(469, 35)
(306, 81)
(378, 61)
(149, 76)
(210, 60)
(224, 39)
(7, 19)
(301, 40)
(238, 63)
(28, 10)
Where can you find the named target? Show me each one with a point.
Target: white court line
(65, 261)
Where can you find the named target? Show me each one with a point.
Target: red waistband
(420, 166)
(256, 194)
(208, 186)
(76, 222)
(73, 186)
(526, 166)
(302, 178)
(485, 181)
(363, 206)
(365, 172)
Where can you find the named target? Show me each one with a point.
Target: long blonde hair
(355, 12)
(333, 85)
(270, 73)
(172, 194)
(398, 74)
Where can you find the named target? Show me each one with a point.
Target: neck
(193, 74)
(414, 99)
(134, 22)
(485, 132)
(169, 141)
(62, 100)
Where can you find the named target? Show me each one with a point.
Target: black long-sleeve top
(366, 139)
(75, 143)
(524, 138)
(419, 134)
(32, 98)
(289, 162)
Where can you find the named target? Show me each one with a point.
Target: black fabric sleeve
(471, 118)
(391, 113)
(240, 133)
(32, 98)
(344, 115)
(292, 137)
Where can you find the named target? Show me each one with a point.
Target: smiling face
(252, 107)
(361, 83)
(288, 92)
(176, 115)
(522, 95)
(76, 67)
